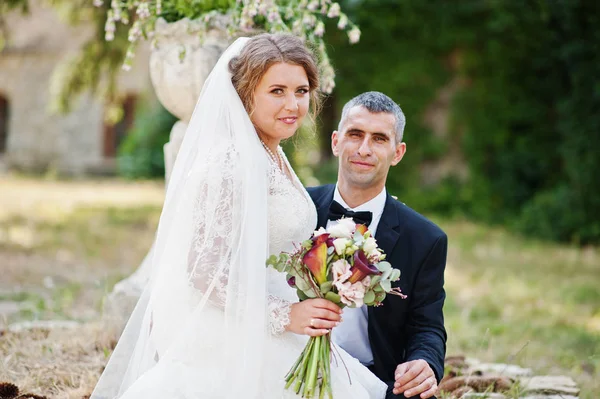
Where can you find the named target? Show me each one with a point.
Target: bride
(213, 321)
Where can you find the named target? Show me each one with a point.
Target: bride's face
(281, 102)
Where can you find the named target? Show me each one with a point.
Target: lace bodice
(292, 219)
(292, 214)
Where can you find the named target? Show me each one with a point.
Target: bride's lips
(290, 120)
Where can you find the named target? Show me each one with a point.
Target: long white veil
(208, 274)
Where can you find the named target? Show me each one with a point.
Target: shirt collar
(374, 205)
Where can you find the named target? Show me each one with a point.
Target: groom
(404, 341)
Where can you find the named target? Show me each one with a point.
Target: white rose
(343, 228)
(349, 223)
(340, 245)
(369, 246)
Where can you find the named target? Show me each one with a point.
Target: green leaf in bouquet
(272, 260)
(386, 274)
(310, 293)
(374, 281)
(395, 275)
(383, 266)
(386, 285)
(302, 284)
(279, 263)
(333, 297)
(369, 297)
(326, 287)
(301, 295)
(307, 244)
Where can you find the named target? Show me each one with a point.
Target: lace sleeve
(214, 242)
(279, 314)
(214, 237)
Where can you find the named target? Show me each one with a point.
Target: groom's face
(366, 147)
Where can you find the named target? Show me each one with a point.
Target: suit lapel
(387, 233)
(322, 203)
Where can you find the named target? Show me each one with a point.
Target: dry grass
(63, 251)
(64, 244)
(57, 363)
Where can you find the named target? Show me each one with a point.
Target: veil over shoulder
(212, 226)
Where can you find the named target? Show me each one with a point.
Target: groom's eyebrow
(354, 130)
(378, 134)
(381, 134)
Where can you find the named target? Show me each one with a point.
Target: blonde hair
(260, 53)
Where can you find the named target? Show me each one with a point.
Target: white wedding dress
(210, 323)
(198, 374)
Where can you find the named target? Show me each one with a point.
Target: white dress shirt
(352, 334)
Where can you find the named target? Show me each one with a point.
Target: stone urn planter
(180, 62)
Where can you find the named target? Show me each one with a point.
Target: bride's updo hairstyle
(260, 53)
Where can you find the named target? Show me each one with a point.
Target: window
(115, 134)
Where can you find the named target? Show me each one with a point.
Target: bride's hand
(314, 317)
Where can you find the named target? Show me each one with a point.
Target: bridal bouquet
(344, 265)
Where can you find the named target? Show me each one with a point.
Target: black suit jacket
(413, 328)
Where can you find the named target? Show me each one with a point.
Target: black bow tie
(337, 211)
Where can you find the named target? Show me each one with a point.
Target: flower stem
(298, 369)
(291, 373)
(303, 368)
(313, 369)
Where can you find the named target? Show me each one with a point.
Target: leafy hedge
(527, 120)
(141, 154)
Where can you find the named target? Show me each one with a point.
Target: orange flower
(361, 228)
(316, 259)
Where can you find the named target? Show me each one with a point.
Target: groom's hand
(314, 317)
(415, 378)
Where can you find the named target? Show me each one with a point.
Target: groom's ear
(400, 151)
(334, 142)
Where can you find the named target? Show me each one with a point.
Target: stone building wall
(37, 139)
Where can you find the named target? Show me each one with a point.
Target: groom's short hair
(376, 102)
